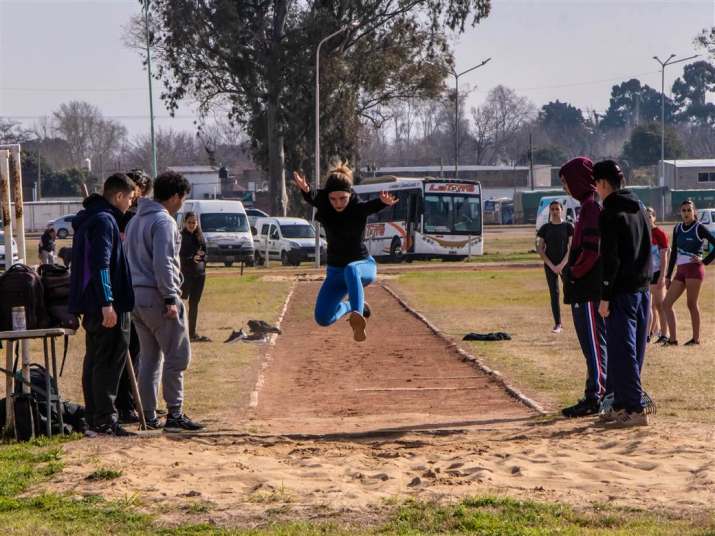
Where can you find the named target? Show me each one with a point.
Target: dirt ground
(340, 430)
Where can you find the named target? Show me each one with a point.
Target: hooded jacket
(625, 245)
(100, 274)
(582, 274)
(344, 230)
(152, 242)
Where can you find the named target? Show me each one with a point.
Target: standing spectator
(193, 268)
(688, 243)
(125, 397)
(658, 331)
(152, 241)
(582, 281)
(625, 296)
(553, 243)
(101, 290)
(47, 246)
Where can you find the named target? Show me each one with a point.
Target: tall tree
(643, 148)
(633, 104)
(258, 57)
(691, 90)
(564, 125)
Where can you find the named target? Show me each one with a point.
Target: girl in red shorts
(689, 239)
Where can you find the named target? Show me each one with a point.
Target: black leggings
(553, 281)
(191, 290)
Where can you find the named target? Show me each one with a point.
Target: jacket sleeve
(673, 253)
(101, 242)
(590, 238)
(310, 197)
(372, 206)
(609, 256)
(705, 234)
(164, 250)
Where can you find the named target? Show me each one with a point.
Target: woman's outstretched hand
(388, 199)
(300, 181)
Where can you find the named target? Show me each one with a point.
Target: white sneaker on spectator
(626, 419)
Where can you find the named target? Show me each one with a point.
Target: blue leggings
(342, 281)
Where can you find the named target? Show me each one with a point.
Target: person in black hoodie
(625, 292)
(193, 268)
(101, 291)
(47, 246)
(350, 267)
(582, 281)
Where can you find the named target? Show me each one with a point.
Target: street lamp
(456, 112)
(316, 170)
(151, 98)
(663, 65)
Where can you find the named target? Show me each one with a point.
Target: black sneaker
(582, 408)
(115, 430)
(692, 342)
(662, 339)
(366, 311)
(128, 417)
(154, 424)
(181, 423)
(236, 336)
(670, 342)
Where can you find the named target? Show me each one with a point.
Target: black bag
(21, 286)
(56, 283)
(27, 417)
(38, 392)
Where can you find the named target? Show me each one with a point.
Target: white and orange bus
(434, 219)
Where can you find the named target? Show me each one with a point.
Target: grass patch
(104, 473)
(548, 367)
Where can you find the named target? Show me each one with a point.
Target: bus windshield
(222, 222)
(453, 214)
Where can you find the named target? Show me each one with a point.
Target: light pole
(456, 112)
(316, 170)
(663, 65)
(151, 97)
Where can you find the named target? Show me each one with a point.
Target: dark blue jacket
(100, 273)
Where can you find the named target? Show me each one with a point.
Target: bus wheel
(396, 250)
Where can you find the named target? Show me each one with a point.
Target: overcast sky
(53, 51)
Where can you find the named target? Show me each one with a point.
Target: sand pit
(341, 433)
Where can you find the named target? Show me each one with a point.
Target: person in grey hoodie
(152, 244)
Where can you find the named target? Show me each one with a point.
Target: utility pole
(151, 96)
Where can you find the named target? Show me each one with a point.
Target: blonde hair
(340, 178)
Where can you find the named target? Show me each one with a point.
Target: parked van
(290, 240)
(572, 208)
(225, 227)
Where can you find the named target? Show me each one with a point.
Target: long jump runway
(319, 381)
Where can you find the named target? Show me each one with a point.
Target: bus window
(401, 209)
(438, 211)
(452, 214)
(467, 215)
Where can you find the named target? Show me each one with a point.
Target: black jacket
(191, 245)
(47, 243)
(344, 231)
(625, 245)
(100, 273)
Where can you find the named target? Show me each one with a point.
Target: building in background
(690, 174)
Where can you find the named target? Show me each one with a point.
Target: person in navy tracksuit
(625, 291)
(582, 281)
(101, 291)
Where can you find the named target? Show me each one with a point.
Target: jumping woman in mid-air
(350, 267)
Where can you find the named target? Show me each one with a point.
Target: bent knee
(322, 319)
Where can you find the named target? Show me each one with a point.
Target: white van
(290, 240)
(225, 227)
(572, 208)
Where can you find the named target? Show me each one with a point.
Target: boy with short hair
(582, 282)
(153, 242)
(101, 291)
(625, 294)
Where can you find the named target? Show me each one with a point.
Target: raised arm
(302, 183)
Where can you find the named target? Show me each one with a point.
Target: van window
(297, 231)
(224, 222)
(274, 234)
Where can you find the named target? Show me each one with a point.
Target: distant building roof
(194, 169)
(704, 162)
(447, 168)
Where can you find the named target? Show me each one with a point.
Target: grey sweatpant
(160, 337)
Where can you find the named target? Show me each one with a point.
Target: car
(290, 240)
(225, 226)
(572, 209)
(706, 216)
(253, 214)
(62, 226)
(15, 258)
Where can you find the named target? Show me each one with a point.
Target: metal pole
(662, 125)
(456, 125)
(5, 205)
(15, 162)
(316, 169)
(531, 161)
(151, 96)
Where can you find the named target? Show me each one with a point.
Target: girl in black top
(193, 268)
(350, 267)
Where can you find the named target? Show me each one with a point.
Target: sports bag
(21, 286)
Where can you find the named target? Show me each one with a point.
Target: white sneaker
(557, 329)
(626, 419)
(607, 402)
(610, 414)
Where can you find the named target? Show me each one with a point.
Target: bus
(434, 219)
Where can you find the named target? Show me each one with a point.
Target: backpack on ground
(21, 286)
(56, 284)
(38, 393)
